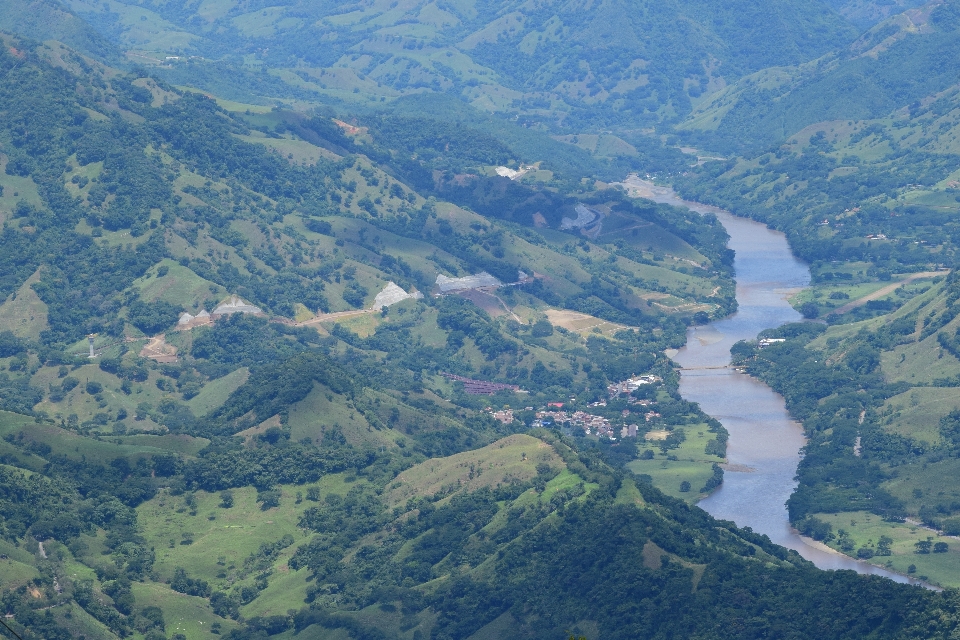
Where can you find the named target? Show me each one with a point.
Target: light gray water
(763, 437)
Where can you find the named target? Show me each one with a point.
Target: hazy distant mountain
(51, 20)
(895, 64)
(866, 13)
(566, 62)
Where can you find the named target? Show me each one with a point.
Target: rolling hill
(557, 65)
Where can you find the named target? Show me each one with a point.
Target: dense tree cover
(829, 397)
(853, 205)
(562, 570)
(845, 85)
(556, 58)
(650, 566)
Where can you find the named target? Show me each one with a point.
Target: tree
(810, 310)
(941, 547)
(883, 546)
(542, 329)
(268, 499)
(923, 546)
(685, 486)
(226, 499)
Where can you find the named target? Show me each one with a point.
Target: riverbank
(765, 442)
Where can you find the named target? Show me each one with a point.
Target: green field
(216, 392)
(691, 464)
(180, 287)
(23, 312)
(865, 529)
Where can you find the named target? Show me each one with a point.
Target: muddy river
(764, 446)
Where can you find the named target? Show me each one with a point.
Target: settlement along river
(765, 442)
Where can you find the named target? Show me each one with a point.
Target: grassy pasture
(108, 402)
(216, 392)
(23, 312)
(513, 457)
(925, 483)
(295, 151)
(180, 286)
(184, 614)
(916, 413)
(322, 409)
(919, 362)
(691, 464)
(865, 530)
(72, 445)
(234, 533)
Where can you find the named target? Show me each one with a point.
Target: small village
(591, 424)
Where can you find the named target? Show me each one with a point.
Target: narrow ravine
(764, 446)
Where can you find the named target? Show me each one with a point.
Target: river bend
(764, 446)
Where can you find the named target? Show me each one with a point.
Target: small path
(508, 309)
(326, 317)
(890, 288)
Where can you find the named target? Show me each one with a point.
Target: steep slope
(51, 20)
(129, 203)
(872, 205)
(866, 13)
(897, 63)
(571, 64)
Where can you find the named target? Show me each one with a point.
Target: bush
(154, 317)
(684, 486)
(542, 329)
(951, 526)
(93, 388)
(809, 310)
(864, 553)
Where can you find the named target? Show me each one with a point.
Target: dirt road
(890, 288)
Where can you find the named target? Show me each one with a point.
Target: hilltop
(308, 340)
(553, 65)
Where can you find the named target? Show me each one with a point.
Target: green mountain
(555, 65)
(300, 246)
(866, 13)
(127, 202)
(872, 204)
(897, 63)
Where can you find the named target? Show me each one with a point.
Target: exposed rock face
(391, 295)
(482, 279)
(235, 305)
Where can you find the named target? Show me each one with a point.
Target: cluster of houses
(504, 415)
(591, 424)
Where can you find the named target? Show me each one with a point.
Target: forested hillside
(222, 264)
(899, 63)
(333, 321)
(871, 202)
(558, 64)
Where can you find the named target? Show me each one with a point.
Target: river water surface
(764, 445)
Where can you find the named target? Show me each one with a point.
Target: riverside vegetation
(309, 471)
(865, 192)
